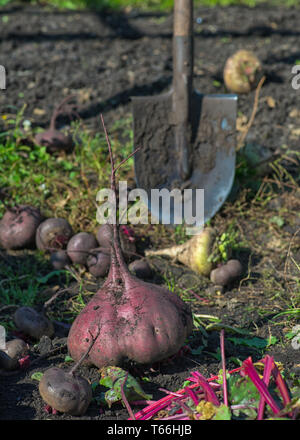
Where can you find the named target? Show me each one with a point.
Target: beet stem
(222, 344)
(124, 398)
(58, 111)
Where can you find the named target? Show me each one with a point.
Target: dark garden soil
(106, 59)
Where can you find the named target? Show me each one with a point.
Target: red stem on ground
(222, 346)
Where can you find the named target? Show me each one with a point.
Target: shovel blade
(212, 150)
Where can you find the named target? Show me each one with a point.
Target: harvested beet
(18, 227)
(141, 269)
(225, 274)
(98, 262)
(53, 233)
(53, 139)
(79, 246)
(65, 391)
(33, 323)
(59, 259)
(138, 321)
(104, 238)
(15, 350)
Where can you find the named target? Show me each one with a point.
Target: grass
(162, 5)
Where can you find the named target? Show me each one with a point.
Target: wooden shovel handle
(182, 81)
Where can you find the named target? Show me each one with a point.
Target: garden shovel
(186, 138)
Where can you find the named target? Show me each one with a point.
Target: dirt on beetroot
(105, 59)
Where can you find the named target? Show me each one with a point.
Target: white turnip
(18, 227)
(79, 246)
(53, 233)
(137, 321)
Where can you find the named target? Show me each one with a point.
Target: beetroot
(105, 236)
(137, 321)
(79, 245)
(14, 351)
(33, 323)
(65, 392)
(98, 262)
(18, 227)
(59, 259)
(54, 140)
(53, 233)
(140, 268)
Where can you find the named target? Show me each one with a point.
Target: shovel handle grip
(182, 80)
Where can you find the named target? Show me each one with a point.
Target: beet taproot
(18, 227)
(79, 246)
(139, 322)
(32, 323)
(53, 233)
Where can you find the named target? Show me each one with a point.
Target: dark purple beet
(53, 233)
(59, 259)
(79, 246)
(98, 262)
(18, 227)
(53, 139)
(140, 268)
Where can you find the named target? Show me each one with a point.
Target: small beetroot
(53, 139)
(32, 323)
(53, 233)
(79, 246)
(18, 227)
(59, 259)
(15, 350)
(65, 391)
(98, 262)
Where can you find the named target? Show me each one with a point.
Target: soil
(106, 59)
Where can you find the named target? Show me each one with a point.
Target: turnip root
(137, 321)
(59, 259)
(79, 246)
(65, 391)
(14, 351)
(194, 253)
(242, 72)
(140, 268)
(32, 323)
(53, 139)
(53, 233)
(18, 227)
(225, 274)
(98, 262)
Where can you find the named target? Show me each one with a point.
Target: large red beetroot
(138, 321)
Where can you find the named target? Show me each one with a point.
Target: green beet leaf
(114, 378)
